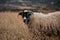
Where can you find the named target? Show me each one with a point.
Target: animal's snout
(24, 18)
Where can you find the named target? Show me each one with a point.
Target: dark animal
(25, 16)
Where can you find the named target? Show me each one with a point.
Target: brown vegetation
(39, 27)
(12, 27)
(45, 27)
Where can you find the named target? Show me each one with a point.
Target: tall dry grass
(12, 27)
(45, 27)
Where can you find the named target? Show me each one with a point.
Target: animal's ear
(20, 13)
(29, 14)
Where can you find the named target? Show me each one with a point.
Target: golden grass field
(12, 27)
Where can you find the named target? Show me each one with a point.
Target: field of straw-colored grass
(12, 27)
(39, 27)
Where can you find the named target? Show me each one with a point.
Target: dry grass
(12, 27)
(45, 27)
(39, 27)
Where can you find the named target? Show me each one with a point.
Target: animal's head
(25, 14)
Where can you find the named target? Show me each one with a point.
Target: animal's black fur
(25, 14)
